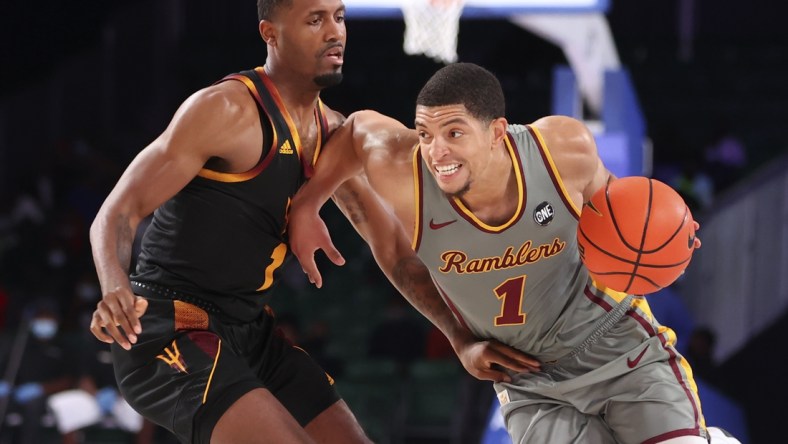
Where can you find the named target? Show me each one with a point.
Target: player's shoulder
(563, 134)
(229, 100)
(372, 120)
(381, 129)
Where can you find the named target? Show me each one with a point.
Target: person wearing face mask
(45, 368)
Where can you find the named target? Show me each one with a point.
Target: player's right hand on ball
(117, 317)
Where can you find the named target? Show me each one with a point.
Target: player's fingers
(500, 359)
(516, 357)
(132, 325)
(105, 319)
(333, 254)
(493, 375)
(120, 318)
(98, 330)
(313, 274)
(696, 225)
(140, 307)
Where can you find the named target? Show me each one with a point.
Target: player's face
(455, 145)
(311, 39)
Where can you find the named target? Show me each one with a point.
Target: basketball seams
(613, 219)
(642, 236)
(683, 223)
(624, 260)
(648, 210)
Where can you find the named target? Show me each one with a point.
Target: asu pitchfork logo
(173, 358)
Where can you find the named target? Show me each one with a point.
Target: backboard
(481, 8)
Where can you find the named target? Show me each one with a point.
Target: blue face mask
(43, 328)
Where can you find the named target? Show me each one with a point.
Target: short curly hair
(465, 84)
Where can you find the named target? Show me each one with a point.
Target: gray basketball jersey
(522, 282)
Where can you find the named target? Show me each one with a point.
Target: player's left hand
(308, 233)
(487, 360)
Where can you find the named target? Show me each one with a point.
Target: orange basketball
(636, 235)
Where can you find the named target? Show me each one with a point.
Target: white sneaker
(721, 436)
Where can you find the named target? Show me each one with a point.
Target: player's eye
(455, 134)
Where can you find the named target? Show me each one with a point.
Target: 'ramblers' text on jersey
(521, 282)
(223, 236)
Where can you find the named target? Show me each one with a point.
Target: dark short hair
(266, 8)
(465, 84)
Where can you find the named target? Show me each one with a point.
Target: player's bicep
(197, 132)
(154, 176)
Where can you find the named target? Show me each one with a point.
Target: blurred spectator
(694, 184)
(400, 335)
(96, 400)
(86, 293)
(726, 156)
(46, 367)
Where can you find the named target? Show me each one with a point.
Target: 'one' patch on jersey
(543, 214)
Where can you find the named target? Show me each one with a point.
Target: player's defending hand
(308, 233)
(117, 317)
(488, 360)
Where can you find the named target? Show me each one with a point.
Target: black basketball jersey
(222, 237)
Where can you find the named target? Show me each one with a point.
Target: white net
(431, 28)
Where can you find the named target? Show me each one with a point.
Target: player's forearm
(411, 277)
(111, 238)
(338, 162)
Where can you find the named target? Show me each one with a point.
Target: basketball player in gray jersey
(492, 210)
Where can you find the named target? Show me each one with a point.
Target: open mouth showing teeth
(445, 170)
(334, 53)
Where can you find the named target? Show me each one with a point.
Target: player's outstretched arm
(205, 126)
(358, 146)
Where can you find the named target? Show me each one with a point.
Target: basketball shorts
(630, 386)
(187, 368)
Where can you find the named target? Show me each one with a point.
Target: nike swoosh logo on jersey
(435, 226)
(631, 363)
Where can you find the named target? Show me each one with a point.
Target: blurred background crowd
(84, 85)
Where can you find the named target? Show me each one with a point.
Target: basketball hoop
(431, 28)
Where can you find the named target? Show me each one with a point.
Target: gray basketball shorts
(629, 386)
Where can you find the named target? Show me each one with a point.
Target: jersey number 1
(512, 292)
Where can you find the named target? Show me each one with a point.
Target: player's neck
(299, 95)
(494, 197)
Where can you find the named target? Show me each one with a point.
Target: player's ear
(267, 32)
(498, 129)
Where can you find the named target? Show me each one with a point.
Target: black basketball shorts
(187, 368)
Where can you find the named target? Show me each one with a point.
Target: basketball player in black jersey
(205, 363)
(193, 347)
